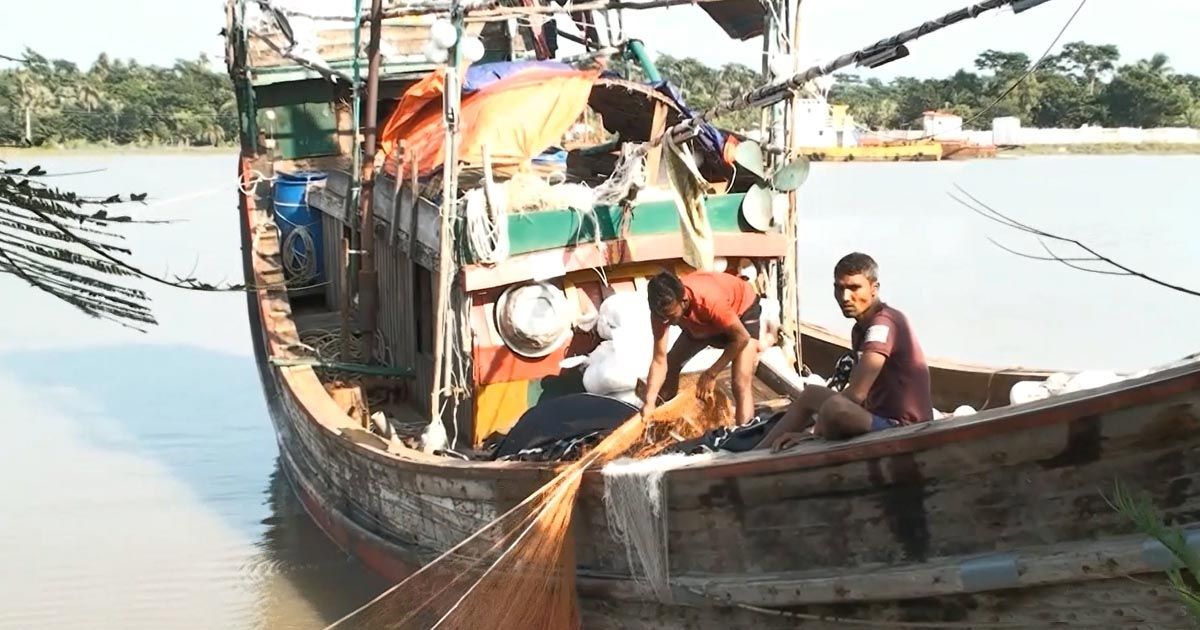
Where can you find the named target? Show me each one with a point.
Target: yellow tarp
(516, 118)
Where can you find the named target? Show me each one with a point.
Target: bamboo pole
(790, 301)
(780, 90)
(349, 273)
(452, 98)
(368, 276)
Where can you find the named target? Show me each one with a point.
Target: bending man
(889, 384)
(713, 310)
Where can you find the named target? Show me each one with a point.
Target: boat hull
(996, 518)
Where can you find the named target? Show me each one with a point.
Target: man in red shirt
(713, 310)
(889, 383)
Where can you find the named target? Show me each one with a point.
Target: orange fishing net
(518, 572)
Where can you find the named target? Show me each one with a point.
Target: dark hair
(855, 263)
(662, 291)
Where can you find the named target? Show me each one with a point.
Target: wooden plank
(658, 126)
(335, 44)
(546, 265)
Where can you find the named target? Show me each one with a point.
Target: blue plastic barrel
(299, 227)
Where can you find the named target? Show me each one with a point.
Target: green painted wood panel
(301, 129)
(550, 229)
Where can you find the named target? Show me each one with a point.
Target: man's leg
(840, 418)
(684, 349)
(799, 415)
(743, 381)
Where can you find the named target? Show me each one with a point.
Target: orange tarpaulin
(516, 117)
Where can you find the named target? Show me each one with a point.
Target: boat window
(423, 308)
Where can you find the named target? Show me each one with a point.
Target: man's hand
(705, 385)
(648, 409)
(789, 440)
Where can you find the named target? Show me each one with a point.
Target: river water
(141, 484)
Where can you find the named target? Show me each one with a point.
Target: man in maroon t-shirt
(889, 384)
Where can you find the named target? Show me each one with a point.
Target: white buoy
(443, 34)
(435, 53)
(472, 48)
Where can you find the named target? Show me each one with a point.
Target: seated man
(889, 384)
(713, 309)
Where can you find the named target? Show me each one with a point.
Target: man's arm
(739, 338)
(863, 376)
(657, 373)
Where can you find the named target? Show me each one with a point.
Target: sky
(160, 31)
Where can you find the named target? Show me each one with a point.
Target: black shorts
(751, 319)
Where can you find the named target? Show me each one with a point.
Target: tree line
(53, 102)
(1085, 84)
(45, 101)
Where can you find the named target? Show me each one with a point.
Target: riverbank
(128, 149)
(1113, 148)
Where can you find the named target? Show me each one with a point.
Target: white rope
(633, 498)
(487, 228)
(629, 175)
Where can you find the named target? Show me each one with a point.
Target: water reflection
(330, 582)
(143, 490)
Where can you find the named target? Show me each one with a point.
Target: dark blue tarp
(711, 139)
(480, 75)
(552, 423)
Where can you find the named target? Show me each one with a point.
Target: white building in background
(820, 125)
(943, 124)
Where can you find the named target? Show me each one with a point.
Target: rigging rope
(300, 263)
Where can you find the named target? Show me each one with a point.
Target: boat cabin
(546, 223)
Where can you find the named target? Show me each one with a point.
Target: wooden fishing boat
(996, 519)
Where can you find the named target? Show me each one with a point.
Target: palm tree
(1156, 65)
(30, 96)
(89, 95)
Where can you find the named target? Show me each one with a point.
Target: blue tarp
(481, 75)
(711, 139)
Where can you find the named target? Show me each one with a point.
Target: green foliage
(1139, 510)
(115, 102)
(704, 86)
(47, 101)
(1081, 85)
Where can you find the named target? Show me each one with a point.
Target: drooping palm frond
(1141, 512)
(50, 242)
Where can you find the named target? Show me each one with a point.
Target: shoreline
(1142, 148)
(130, 149)
(1112, 148)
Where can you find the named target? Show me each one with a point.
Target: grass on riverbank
(1110, 148)
(113, 149)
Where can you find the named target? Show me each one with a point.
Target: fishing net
(518, 572)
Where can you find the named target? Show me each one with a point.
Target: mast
(450, 112)
(350, 277)
(368, 277)
(790, 300)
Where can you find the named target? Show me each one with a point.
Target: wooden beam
(555, 263)
(658, 126)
